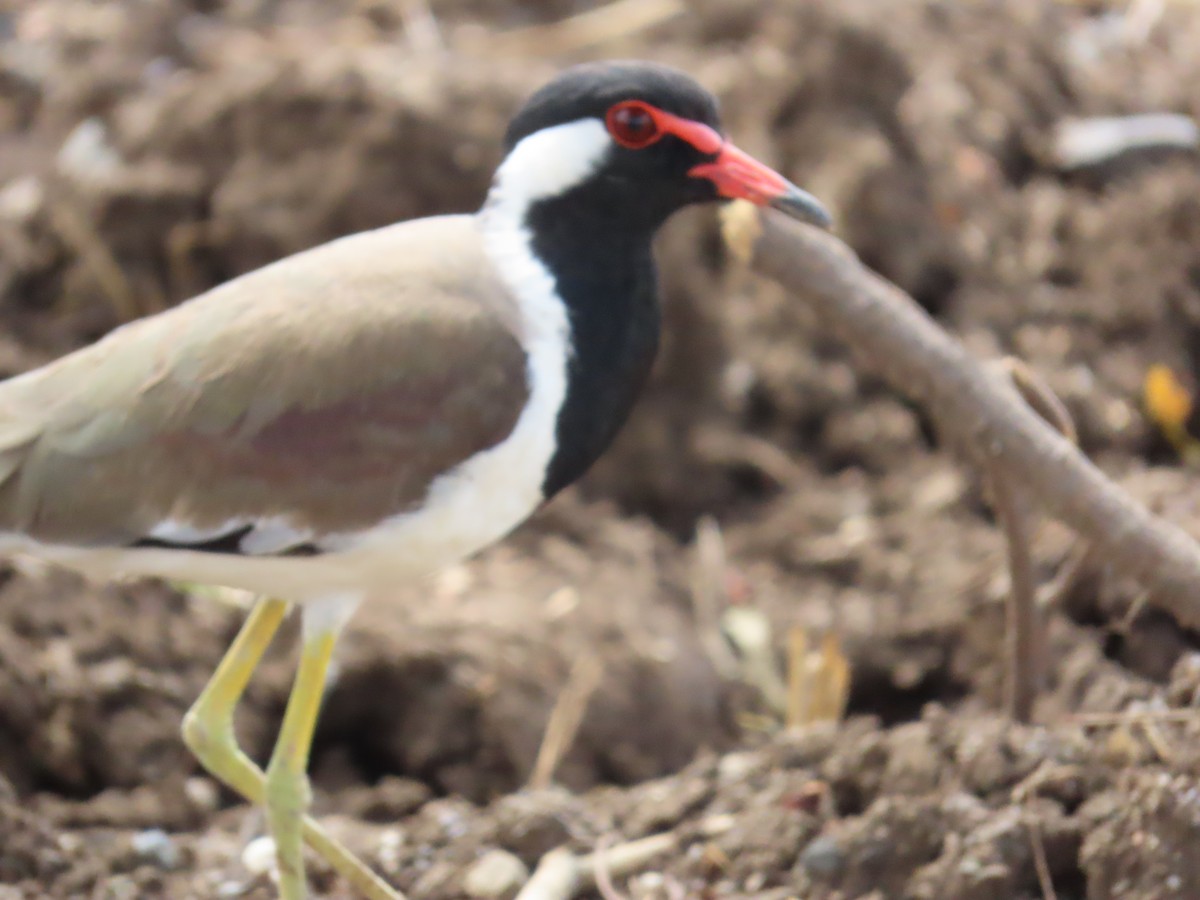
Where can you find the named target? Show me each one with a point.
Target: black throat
(604, 271)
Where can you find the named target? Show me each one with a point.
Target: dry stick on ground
(994, 425)
(1026, 626)
(1125, 717)
(1041, 865)
(1025, 640)
(565, 719)
(561, 874)
(80, 234)
(709, 599)
(604, 883)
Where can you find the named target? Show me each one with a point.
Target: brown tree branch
(896, 338)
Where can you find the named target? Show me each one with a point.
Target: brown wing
(327, 390)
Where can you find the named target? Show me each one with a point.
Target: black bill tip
(800, 204)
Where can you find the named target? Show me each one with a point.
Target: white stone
(497, 873)
(259, 856)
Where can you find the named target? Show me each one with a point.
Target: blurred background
(634, 659)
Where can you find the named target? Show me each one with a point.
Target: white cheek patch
(551, 161)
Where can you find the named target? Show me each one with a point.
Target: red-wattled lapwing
(370, 410)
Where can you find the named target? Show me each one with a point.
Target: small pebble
(86, 154)
(497, 873)
(390, 844)
(21, 199)
(156, 846)
(649, 882)
(259, 855)
(202, 792)
(735, 767)
(823, 857)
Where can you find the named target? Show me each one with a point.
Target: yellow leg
(208, 725)
(288, 794)
(208, 731)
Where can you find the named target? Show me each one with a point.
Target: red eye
(633, 124)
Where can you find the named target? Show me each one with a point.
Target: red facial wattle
(735, 174)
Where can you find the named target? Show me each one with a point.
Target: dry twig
(1129, 716)
(557, 877)
(1046, 404)
(600, 871)
(561, 874)
(78, 232)
(1024, 632)
(1040, 864)
(565, 719)
(990, 419)
(708, 596)
(1026, 629)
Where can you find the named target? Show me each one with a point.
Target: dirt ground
(149, 150)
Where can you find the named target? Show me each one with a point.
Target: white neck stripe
(550, 162)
